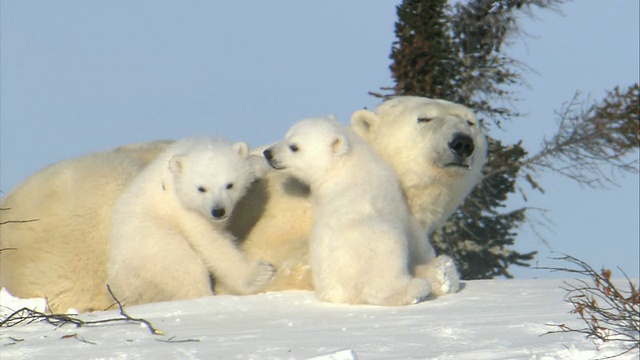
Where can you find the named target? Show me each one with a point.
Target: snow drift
(492, 319)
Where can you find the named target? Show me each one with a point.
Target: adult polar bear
(436, 147)
(362, 228)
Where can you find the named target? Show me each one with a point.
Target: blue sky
(77, 77)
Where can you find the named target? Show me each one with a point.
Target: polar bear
(359, 241)
(55, 227)
(55, 230)
(437, 149)
(167, 227)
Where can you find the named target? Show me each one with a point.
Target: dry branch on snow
(609, 313)
(28, 316)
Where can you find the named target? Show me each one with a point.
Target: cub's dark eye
(294, 147)
(202, 189)
(424, 119)
(229, 186)
(471, 123)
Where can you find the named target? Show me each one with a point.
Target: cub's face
(311, 148)
(425, 139)
(210, 179)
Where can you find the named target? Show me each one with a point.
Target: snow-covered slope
(497, 319)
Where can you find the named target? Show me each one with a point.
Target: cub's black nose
(462, 145)
(267, 154)
(218, 213)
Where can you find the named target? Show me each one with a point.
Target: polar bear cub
(168, 226)
(361, 223)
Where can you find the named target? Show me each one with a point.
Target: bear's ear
(176, 164)
(241, 148)
(340, 145)
(363, 121)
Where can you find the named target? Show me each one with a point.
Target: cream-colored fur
(273, 219)
(168, 226)
(434, 180)
(61, 251)
(362, 227)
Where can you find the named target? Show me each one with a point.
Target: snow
(491, 319)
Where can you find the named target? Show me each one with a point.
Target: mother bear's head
(436, 147)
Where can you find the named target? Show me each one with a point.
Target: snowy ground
(495, 319)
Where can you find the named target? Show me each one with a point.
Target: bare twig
(79, 338)
(173, 340)
(14, 221)
(17, 221)
(28, 316)
(609, 313)
(153, 330)
(594, 142)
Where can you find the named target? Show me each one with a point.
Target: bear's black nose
(218, 213)
(462, 145)
(267, 154)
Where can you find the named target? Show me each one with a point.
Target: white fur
(420, 153)
(417, 143)
(61, 252)
(63, 255)
(433, 178)
(167, 232)
(361, 223)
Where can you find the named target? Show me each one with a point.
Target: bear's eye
(202, 189)
(471, 123)
(294, 147)
(229, 186)
(424, 119)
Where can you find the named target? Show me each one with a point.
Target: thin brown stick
(153, 330)
(608, 312)
(18, 221)
(28, 316)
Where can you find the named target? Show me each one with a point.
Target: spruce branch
(594, 142)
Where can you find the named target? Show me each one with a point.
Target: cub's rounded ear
(363, 121)
(241, 148)
(340, 145)
(176, 164)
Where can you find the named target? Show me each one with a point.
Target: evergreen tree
(455, 52)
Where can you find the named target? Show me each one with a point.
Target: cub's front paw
(446, 279)
(263, 273)
(441, 273)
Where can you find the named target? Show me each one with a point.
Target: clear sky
(79, 76)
